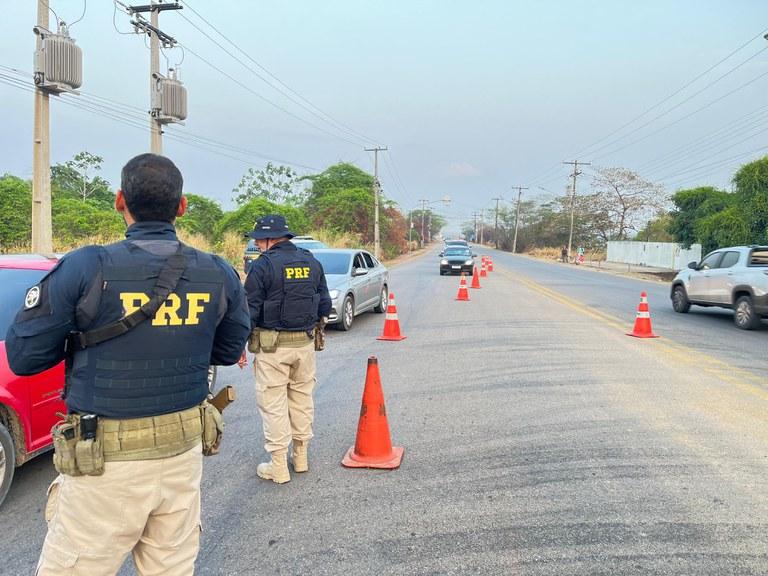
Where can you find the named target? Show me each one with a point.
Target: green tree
(342, 176)
(242, 220)
(725, 228)
(76, 179)
(657, 230)
(752, 199)
(15, 211)
(279, 184)
(74, 220)
(202, 216)
(693, 206)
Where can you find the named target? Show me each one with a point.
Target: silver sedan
(357, 281)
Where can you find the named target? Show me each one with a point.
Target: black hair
(151, 186)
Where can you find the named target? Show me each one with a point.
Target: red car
(28, 404)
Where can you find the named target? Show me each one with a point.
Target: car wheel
(347, 313)
(680, 302)
(744, 314)
(7, 462)
(383, 300)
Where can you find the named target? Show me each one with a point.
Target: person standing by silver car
(288, 301)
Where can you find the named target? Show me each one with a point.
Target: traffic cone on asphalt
(463, 293)
(483, 271)
(490, 264)
(642, 327)
(373, 446)
(475, 278)
(391, 323)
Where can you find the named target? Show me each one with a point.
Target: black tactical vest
(161, 365)
(292, 300)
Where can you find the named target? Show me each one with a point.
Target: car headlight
(443, 261)
(468, 262)
(334, 294)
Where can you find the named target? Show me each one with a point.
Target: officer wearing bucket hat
(287, 297)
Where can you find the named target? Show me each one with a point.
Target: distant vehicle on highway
(28, 404)
(252, 253)
(456, 259)
(357, 281)
(456, 242)
(735, 278)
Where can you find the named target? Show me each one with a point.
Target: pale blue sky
(470, 97)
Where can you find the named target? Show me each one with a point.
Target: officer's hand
(243, 361)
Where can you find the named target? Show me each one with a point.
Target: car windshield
(333, 262)
(457, 252)
(13, 286)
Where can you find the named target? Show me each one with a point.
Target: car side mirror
(474, 255)
(441, 254)
(693, 265)
(359, 272)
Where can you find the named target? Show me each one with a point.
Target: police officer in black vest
(288, 299)
(139, 323)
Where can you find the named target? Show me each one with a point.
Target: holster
(213, 428)
(253, 341)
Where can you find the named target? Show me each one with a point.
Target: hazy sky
(470, 97)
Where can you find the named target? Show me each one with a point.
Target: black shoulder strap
(166, 281)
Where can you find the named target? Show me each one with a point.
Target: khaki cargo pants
(285, 380)
(150, 508)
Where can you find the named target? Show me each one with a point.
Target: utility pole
(423, 207)
(496, 224)
(156, 36)
(576, 172)
(376, 188)
(517, 215)
(474, 217)
(42, 229)
(482, 225)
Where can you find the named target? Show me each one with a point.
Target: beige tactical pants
(285, 380)
(148, 507)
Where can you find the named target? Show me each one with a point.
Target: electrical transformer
(169, 99)
(58, 61)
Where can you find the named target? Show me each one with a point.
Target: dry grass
(231, 248)
(340, 240)
(549, 253)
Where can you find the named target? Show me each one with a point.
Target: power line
(675, 93)
(278, 85)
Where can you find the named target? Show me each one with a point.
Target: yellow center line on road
(744, 379)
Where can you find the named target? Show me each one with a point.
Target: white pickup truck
(735, 278)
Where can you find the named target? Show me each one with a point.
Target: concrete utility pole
(496, 224)
(156, 36)
(474, 217)
(423, 207)
(576, 172)
(517, 215)
(482, 225)
(376, 189)
(42, 229)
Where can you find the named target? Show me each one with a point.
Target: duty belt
(151, 437)
(293, 339)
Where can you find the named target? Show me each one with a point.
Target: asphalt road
(539, 439)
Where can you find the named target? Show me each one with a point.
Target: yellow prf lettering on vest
(195, 300)
(297, 272)
(168, 313)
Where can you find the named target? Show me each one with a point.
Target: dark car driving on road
(456, 259)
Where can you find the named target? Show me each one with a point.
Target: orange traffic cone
(483, 271)
(373, 447)
(490, 264)
(391, 323)
(475, 278)
(463, 293)
(642, 327)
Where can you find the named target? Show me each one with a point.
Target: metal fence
(656, 254)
